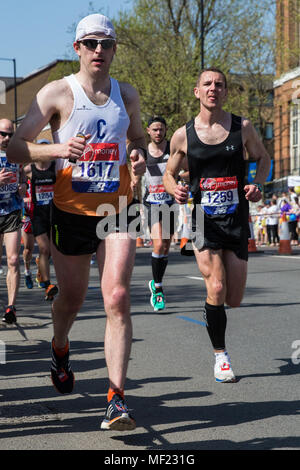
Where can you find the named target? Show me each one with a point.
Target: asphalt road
(170, 388)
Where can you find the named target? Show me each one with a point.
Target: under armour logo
(229, 147)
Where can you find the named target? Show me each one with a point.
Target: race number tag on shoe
(158, 195)
(44, 194)
(97, 170)
(219, 196)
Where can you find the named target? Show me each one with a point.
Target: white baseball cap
(93, 24)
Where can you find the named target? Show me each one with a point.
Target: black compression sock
(159, 265)
(216, 321)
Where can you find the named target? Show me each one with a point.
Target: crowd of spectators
(267, 216)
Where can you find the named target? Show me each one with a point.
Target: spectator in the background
(272, 222)
(260, 234)
(292, 195)
(293, 221)
(285, 206)
(282, 200)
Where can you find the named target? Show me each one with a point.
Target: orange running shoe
(50, 292)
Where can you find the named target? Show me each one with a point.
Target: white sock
(221, 355)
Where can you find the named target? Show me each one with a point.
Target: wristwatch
(259, 186)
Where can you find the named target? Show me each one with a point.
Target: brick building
(28, 87)
(287, 93)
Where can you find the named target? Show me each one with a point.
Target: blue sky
(35, 32)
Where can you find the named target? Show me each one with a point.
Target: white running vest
(101, 175)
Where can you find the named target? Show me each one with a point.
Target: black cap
(157, 119)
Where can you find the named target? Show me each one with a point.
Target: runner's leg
(210, 264)
(72, 274)
(225, 277)
(12, 242)
(116, 260)
(28, 240)
(160, 253)
(236, 277)
(44, 255)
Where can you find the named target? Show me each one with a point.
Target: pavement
(170, 387)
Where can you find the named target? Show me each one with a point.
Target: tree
(160, 46)
(159, 52)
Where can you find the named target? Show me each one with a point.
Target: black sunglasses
(93, 43)
(4, 134)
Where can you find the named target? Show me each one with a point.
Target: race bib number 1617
(97, 171)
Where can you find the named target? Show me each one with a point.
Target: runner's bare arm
(48, 103)
(136, 142)
(257, 152)
(178, 149)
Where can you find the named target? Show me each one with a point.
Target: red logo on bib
(100, 152)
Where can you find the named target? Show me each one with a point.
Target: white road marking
(194, 277)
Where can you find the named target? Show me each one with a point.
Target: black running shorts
(41, 222)
(74, 234)
(11, 222)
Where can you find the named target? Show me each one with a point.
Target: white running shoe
(223, 369)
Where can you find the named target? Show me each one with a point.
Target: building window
(269, 131)
(294, 138)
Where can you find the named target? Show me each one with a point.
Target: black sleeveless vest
(42, 182)
(217, 179)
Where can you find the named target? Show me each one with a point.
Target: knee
(117, 301)
(217, 288)
(13, 261)
(44, 251)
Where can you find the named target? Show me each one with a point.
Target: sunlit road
(170, 387)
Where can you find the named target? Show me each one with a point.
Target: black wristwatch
(259, 186)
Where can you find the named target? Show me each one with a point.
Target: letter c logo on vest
(100, 131)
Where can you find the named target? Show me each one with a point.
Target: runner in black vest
(42, 176)
(214, 144)
(217, 174)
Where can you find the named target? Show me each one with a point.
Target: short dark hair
(157, 119)
(213, 69)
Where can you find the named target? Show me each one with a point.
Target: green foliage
(63, 68)
(159, 52)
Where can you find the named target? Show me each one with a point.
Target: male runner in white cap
(91, 172)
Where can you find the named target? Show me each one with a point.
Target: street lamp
(15, 85)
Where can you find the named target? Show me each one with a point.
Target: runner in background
(42, 176)
(12, 190)
(161, 224)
